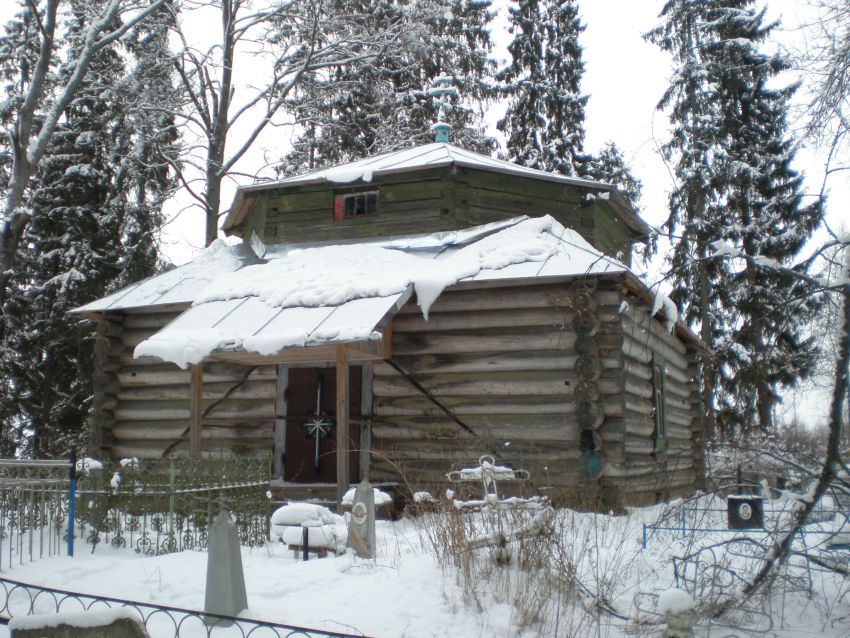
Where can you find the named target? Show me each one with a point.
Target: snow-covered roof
(179, 286)
(252, 325)
(426, 156)
(343, 293)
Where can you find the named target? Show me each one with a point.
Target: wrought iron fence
(33, 509)
(22, 599)
(155, 507)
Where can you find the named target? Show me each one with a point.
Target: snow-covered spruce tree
(344, 111)
(18, 56)
(151, 145)
(96, 201)
(736, 190)
(610, 166)
(38, 95)
(544, 122)
(383, 104)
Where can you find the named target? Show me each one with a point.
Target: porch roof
(249, 330)
(303, 301)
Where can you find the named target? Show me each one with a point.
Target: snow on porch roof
(422, 157)
(251, 325)
(345, 293)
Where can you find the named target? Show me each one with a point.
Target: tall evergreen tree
(737, 194)
(544, 122)
(96, 202)
(610, 166)
(383, 104)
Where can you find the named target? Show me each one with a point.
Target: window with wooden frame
(659, 403)
(353, 205)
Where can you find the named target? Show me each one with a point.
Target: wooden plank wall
(506, 362)
(141, 406)
(486, 197)
(432, 201)
(648, 475)
(421, 202)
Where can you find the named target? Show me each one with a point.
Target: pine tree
(737, 192)
(383, 104)
(96, 202)
(544, 122)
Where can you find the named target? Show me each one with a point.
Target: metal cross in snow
(318, 427)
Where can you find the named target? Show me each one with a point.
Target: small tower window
(659, 403)
(351, 205)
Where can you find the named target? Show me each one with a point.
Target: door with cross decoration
(309, 454)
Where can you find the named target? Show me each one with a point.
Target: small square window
(351, 205)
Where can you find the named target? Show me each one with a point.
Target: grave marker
(225, 592)
(361, 528)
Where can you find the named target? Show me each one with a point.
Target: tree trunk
(709, 365)
(212, 201)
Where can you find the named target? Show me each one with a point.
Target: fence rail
(692, 519)
(155, 507)
(23, 599)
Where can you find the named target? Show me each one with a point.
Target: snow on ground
(406, 592)
(398, 594)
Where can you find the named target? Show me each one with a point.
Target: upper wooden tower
(426, 189)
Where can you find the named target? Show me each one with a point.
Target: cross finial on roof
(442, 92)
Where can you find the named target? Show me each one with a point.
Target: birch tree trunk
(42, 107)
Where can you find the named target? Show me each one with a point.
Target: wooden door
(302, 394)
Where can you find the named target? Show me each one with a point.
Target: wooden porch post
(343, 461)
(196, 409)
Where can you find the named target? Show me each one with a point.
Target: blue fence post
(72, 495)
(644, 536)
(684, 524)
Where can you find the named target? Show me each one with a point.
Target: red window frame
(343, 201)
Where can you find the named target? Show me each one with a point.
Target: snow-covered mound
(324, 528)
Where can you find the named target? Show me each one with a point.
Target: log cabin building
(398, 317)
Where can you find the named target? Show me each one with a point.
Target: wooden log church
(401, 315)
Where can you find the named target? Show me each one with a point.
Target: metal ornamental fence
(21, 599)
(33, 509)
(154, 507)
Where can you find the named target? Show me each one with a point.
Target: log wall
(508, 364)
(518, 372)
(141, 406)
(649, 475)
(525, 370)
(431, 201)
